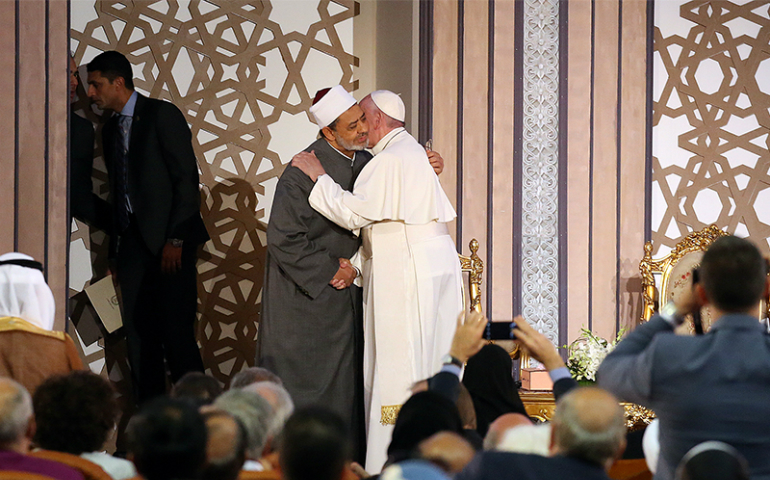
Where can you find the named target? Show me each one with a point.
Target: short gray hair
(279, 399)
(253, 375)
(589, 424)
(15, 410)
(254, 413)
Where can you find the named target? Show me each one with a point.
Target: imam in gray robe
(311, 334)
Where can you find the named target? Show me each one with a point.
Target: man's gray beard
(350, 147)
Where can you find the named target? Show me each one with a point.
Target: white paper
(104, 299)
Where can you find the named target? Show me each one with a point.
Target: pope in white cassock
(411, 273)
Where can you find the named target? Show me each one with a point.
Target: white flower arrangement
(587, 352)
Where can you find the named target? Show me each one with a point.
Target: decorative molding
(540, 167)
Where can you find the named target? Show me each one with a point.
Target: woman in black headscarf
(489, 379)
(424, 414)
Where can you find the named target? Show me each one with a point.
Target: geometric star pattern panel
(711, 120)
(244, 74)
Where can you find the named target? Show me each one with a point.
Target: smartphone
(697, 322)
(500, 331)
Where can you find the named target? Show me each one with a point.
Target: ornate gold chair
(674, 271)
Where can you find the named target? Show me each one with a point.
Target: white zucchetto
(390, 104)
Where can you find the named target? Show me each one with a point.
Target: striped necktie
(121, 170)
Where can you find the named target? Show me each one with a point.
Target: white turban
(24, 293)
(390, 104)
(336, 102)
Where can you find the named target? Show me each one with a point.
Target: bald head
(502, 424)
(225, 446)
(15, 413)
(589, 424)
(448, 450)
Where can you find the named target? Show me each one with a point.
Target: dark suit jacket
(519, 466)
(708, 387)
(162, 173)
(84, 204)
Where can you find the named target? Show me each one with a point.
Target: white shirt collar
(386, 139)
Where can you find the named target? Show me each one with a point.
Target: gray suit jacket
(709, 387)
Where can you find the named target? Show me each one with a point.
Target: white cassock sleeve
(389, 187)
(328, 199)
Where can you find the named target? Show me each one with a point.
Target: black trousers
(159, 312)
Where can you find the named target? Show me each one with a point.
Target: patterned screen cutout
(244, 74)
(711, 120)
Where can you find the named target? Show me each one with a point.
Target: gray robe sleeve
(310, 266)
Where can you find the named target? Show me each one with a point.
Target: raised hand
(538, 346)
(467, 340)
(435, 161)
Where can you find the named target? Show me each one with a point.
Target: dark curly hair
(74, 412)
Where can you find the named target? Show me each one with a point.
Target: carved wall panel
(540, 168)
(711, 120)
(244, 74)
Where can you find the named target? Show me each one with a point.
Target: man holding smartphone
(709, 387)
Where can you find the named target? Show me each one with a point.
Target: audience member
(489, 379)
(500, 426)
(706, 387)
(256, 415)
(225, 446)
(413, 470)
(282, 405)
(16, 431)
(466, 342)
(713, 461)
(526, 438)
(254, 375)
(423, 415)
(315, 445)
(75, 414)
(587, 435)
(198, 388)
(29, 351)
(447, 450)
(167, 440)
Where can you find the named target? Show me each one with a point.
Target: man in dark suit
(707, 387)
(85, 205)
(153, 178)
(588, 433)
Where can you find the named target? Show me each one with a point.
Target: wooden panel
(578, 164)
(474, 127)
(445, 94)
(632, 154)
(7, 124)
(500, 265)
(31, 126)
(605, 158)
(58, 107)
